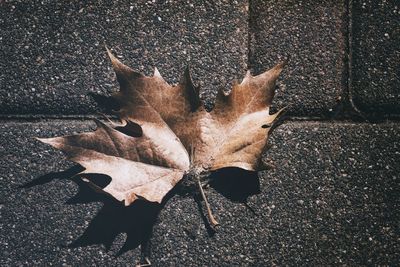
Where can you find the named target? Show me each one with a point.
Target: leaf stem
(213, 221)
(148, 263)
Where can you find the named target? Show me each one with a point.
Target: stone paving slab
(313, 35)
(332, 199)
(53, 52)
(376, 56)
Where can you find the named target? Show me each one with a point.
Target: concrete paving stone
(332, 199)
(53, 53)
(313, 35)
(376, 56)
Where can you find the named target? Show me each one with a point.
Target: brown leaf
(147, 166)
(164, 124)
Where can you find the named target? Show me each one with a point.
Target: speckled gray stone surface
(53, 52)
(376, 56)
(313, 35)
(332, 199)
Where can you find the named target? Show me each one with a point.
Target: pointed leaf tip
(111, 56)
(277, 69)
(157, 73)
(123, 72)
(274, 118)
(284, 62)
(53, 141)
(247, 77)
(44, 140)
(280, 65)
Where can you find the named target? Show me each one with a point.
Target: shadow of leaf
(113, 218)
(106, 103)
(235, 184)
(136, 220)
(44, 179)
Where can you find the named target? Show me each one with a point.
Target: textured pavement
(313, 37)
(54, 52)
(332, 197)
(376, 56)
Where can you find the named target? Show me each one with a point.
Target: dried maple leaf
(167, 133)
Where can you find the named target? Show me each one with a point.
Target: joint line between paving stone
(47, 117)
(350, 58)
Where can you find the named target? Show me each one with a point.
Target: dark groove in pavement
(46, 117)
